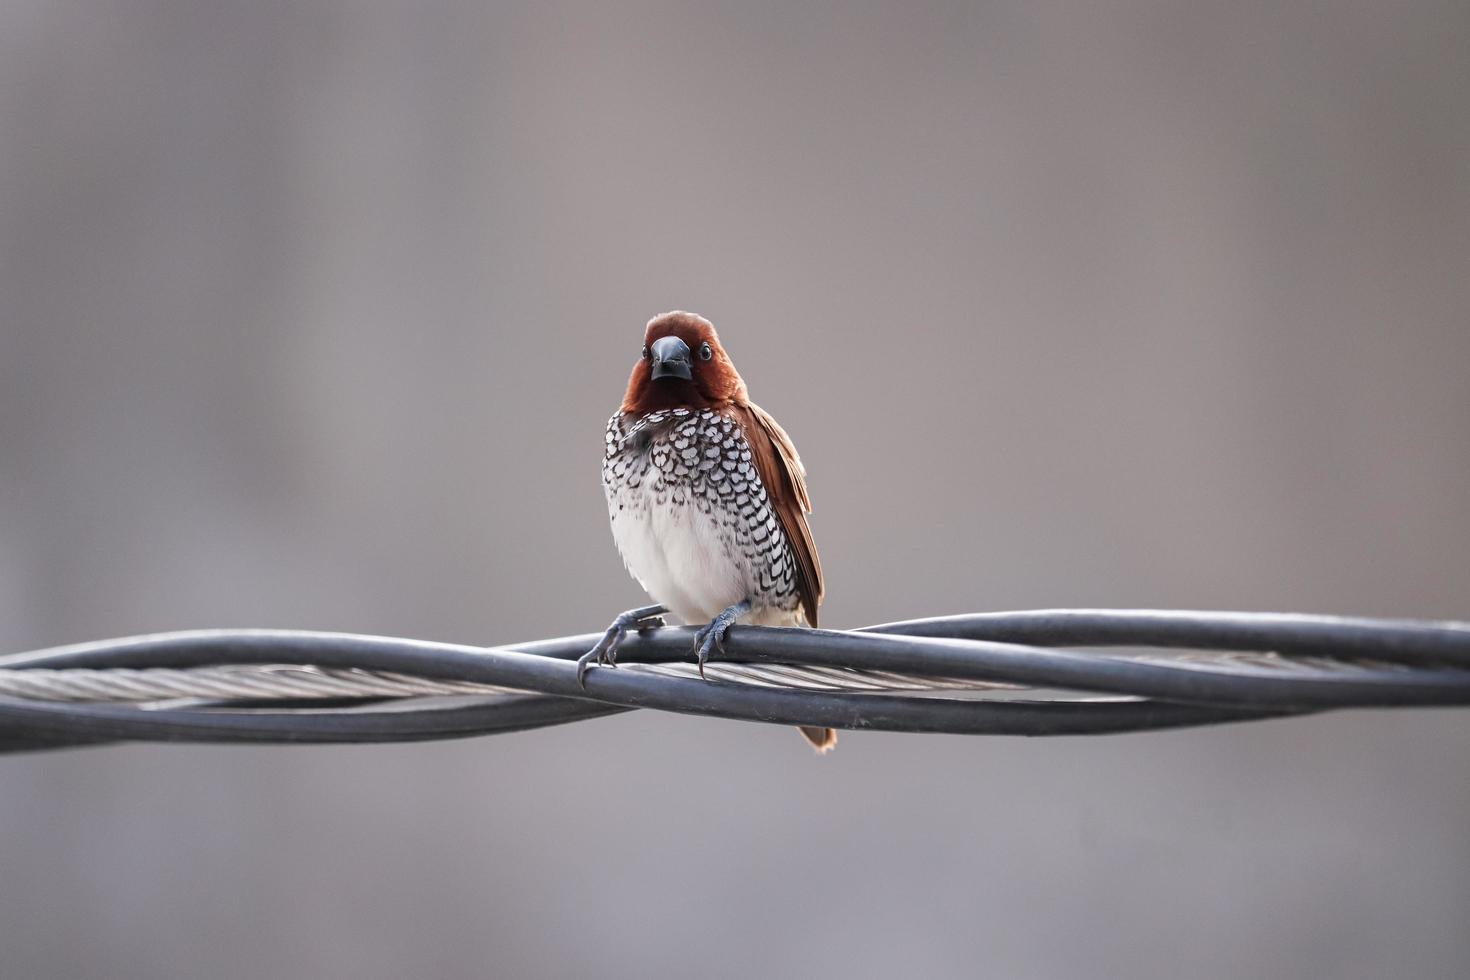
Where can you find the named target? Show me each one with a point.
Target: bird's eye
(644, 355)
(706, 352)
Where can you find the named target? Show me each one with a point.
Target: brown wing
(784, 478)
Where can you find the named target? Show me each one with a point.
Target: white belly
(684, 559)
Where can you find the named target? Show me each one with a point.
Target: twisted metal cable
(1154, 670)
(287, 682)
(228, 682)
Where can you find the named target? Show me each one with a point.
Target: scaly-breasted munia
(707, 498)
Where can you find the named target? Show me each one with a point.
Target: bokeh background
(311, 315)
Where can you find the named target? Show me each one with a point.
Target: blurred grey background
(312, 317)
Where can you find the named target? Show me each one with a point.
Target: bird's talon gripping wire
(605, 652)
(712, 637)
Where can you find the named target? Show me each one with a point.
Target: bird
(707, 499)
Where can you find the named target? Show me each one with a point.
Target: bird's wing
(784, 478)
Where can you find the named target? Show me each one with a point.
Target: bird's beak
(670, 357)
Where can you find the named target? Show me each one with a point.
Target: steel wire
(1147, 669)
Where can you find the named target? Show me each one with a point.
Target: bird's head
(682, 365)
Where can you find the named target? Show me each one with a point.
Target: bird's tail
(824, 740)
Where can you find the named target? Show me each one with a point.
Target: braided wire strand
(276, 682)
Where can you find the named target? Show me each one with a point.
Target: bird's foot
(605, 652)
(712, 637)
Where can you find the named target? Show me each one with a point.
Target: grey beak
(670, 357)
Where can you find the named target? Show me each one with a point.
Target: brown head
(682, 365)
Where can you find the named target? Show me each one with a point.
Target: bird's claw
(706, 641)
(712, 637)
(605, 652)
